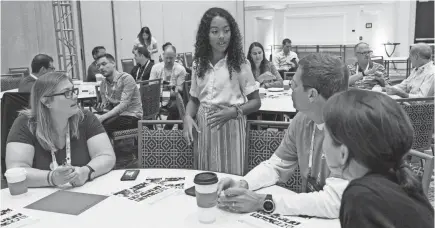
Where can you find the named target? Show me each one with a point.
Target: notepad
(66, 202)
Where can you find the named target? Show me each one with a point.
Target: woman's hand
(218, 119)
(189, 124)
(63, 174)
(82, 176)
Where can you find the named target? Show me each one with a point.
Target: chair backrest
(425, 170)
(150, 92)
(163, 148)
(127, 65)
(378, 59)
(11, 103)
(181, 57)
(189, 59)
(20, 70)
(289, 75)
(261, 144)
(10, 81)
(422, 119)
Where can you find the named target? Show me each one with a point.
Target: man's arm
(425, 88)
(275, 61)
(128, 90)
(325, 203)
(280, 166)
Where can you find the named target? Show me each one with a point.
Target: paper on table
(262, 219)
(173, 182)
(11, 218)
(66, 202)
(146, 192)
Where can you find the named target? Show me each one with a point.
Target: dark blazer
(26, 84)
(143, 74)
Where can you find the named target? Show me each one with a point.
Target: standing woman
(144, 38)
(264, 71)
(223, 92)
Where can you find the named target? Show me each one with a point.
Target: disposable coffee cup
(206, 196)
(16, 178)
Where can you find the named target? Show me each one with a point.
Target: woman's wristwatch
(91, 170)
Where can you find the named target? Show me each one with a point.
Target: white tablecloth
(177, 210)
(279, 102)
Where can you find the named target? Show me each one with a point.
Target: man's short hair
(170, 46)
(165, 45)
(39, 61)
(326, 73)
(96, 49)
(107, 56)
(285, 41)
(144, 51)
(422, 50)
(359, 44)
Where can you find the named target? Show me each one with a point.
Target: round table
(176, 210)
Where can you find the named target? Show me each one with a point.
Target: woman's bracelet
(49, 175)
(51, 179)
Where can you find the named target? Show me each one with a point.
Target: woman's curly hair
(203, 50)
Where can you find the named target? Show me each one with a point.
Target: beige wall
(27, 29)
(332, 22)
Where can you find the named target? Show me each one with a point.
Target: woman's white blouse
(216, 87)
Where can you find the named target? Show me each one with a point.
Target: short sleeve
(20, 131)
(247, 80)
(287, 149)
(194, 86)
(92, 124)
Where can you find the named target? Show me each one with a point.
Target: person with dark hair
(318, 77)
(41, 64)
(144, 38)
(420, 82)
(93, 69)
(162, 57)
(120, 95)
(365, 74)
(286, 60)
(141, 72)
(264, 71)
(223, 92)
(367, 135)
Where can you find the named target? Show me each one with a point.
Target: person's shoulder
(300, 118)
(293, 53)
(126, 77)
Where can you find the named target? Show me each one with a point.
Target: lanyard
(163, 73)
(137, 73)
(367, 68)
(54, 163)
(310, 158)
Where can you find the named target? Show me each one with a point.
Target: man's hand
(241, 200)
(82, 176)
(391, 90)
(227, 182)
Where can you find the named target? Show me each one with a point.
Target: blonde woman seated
(264, 71)
(55, 141)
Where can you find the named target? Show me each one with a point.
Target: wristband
(239, 111)
(48, 179)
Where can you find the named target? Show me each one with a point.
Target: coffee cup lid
(205, 178)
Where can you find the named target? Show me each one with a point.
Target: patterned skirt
(221, 150)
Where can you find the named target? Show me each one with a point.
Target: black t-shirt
(377, 201)
(88, 127)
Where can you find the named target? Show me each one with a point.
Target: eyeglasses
(365, 52)
(69, 94)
